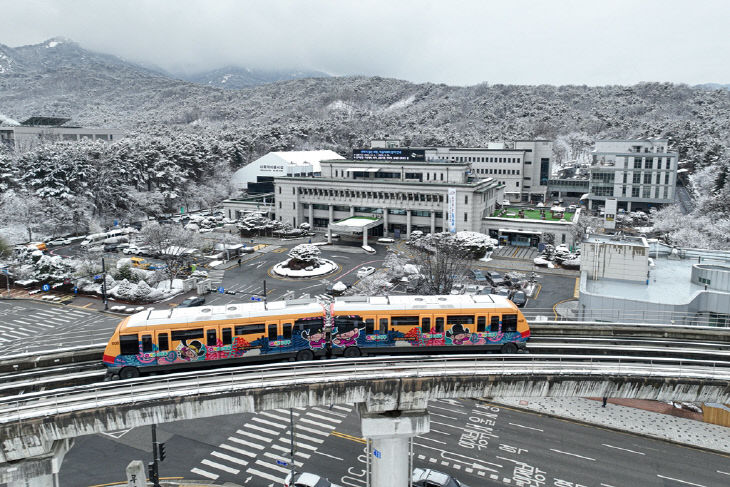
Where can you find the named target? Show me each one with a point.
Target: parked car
(495, 278)
(472, 289)
(306, 479)
(519, 298)
(487, 290)
(111, 247)
(457, 288)
(478, 275)
(385, 240)
(562, 249)
(365, 271)
(192, 302)
(59, 241)
(502, 291)
(425, 477)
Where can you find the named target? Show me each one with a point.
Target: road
(686, 203)
(479, 443)
(23, 322)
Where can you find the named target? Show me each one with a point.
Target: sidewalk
(637, 420)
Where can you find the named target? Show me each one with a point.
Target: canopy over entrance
(354, 225)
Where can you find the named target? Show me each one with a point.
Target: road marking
(237, 450)
(607, 485)
(576, 289)
(624, 449)
(272, 466)
(445, 409)
(724, 473)
(86, 306)
(288, 450)
(270, 423)
(329, 456)
(680, 481)
(345, 436)
(224, 468)
(230, 458)
(264, 475)
(444, 416)
(281, 458)
(526, 427)
(247, 443)
(431, 439)
(255, 436)
(204, 473)
(573, 454)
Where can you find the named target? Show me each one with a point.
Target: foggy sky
(450, 41)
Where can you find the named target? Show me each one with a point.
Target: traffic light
(151, 473)
(162, 451)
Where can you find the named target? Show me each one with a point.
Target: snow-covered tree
(173, 244)
(22, 209)
(305, 253)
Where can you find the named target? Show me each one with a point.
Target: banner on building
(452, 210)
(389, 155)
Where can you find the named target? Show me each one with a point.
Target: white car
(385, 240)
(306, 479)
(59, 241)
(205, 230)
(562, 249)
(365, 271)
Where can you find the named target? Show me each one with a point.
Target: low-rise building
(403, 195)
(529, 226)
(37, 130)
(258, 176)
(632, 280)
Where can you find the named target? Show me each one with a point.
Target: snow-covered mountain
(234, 77)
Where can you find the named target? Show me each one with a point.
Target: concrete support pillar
(364, 237)
(329, 236)
(311, 216)
(408, 223)
(433, 222)
(389, 435)
(332, 214)
(41, 471)
(385, 222)
(352, 211)
(628, 206)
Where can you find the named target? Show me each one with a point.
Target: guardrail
(151, 390)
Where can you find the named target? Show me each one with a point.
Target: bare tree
(442, 261)
(173, 244)
(23, 209)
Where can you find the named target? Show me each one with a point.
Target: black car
(519, 298)
(111, 247)
(192, 302)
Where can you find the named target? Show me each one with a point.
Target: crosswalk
(28, 327)
(262, 447)
(216, 276)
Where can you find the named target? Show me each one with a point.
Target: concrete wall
(615, 260)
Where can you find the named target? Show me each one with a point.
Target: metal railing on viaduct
(33, 425)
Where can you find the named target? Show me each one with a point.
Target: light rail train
(159, 340)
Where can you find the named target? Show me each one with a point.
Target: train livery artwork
(156, 340)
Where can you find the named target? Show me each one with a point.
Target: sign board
(452, 210)
(389, 155)
(182, 210)
(116, 223)
(76, 290)
(46, 287)
(377, 454)
(221, 290)
(97, 277)
(609, 217)
(283, 464)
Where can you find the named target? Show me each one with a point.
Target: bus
(180, 338)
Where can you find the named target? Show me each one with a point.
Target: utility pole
(6, 271)
(291, 421)
(103, 284)
(265, 302)
(153, 468)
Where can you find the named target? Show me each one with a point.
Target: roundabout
(304, 262)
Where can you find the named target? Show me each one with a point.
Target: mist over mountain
(234, 77)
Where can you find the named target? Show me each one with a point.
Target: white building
(638, 173)
(522, 166)
(619, 282)
(404, 195)
(38, 130)
(258, 177)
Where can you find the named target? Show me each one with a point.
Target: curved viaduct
(33, 427)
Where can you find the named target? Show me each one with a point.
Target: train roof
(231, 311)
(408, 303)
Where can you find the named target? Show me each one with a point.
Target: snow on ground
(14, 234)
(325, 267)
(400, 104)
(165, 285)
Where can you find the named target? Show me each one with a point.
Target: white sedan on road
(365, 271)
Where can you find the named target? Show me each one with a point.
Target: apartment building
(37, 130)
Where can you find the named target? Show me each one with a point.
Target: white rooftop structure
(283, 163)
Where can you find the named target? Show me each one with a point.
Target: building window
(466, 216)
(293, 206)
(646, 192)
(466, 200)
(637, 162)
(636, 178)
(544, 170)
(518, 184)
(666, 178)
(279, 204)
(279, 189)
(647, 178)
(634, 192)
(442, 176)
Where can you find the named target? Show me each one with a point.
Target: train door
(212, 346)
(370, 331)
(481, 329)
(147, 345)
(438, 336)
(381, 331)
(272, 333)
(495, 328)
(162, 338)
(286, 337)
(226, 339)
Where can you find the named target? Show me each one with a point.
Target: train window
(425, 325)
(226, 336)
(286, 328)
(162, 342)
(273, 334)
(460, 319)
(309, 323)
(250, 329)
(481, 324)
(129, 344)
(439, 325)
(383, 326)
(369, 326)
(181, 335)
(404, 320)
(509, 323)
(494, 324)
(347, 323)
(146, 343)
(211, 338)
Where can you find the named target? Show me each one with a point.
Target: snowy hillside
(234, 78)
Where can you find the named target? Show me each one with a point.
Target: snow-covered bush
(305, 254)
(124, 290)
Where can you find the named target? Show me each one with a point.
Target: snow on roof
(459, 301)
(312, 157)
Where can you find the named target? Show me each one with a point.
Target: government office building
(405, 195)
